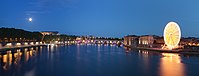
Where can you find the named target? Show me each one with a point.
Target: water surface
(94, 60)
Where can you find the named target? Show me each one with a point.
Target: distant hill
(16, 35)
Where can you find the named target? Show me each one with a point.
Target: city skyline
(100, 18)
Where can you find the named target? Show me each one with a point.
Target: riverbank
(18, 47)
(158, 50)
(180, 51)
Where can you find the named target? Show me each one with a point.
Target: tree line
(12, 35)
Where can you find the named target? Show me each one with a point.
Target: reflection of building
(131, 40)
(146, 41)
(49, 32)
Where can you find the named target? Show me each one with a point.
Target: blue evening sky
(110, 18)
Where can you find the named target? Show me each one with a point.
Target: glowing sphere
(30, 19)
(172, 35)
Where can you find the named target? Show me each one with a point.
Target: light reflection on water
(7, 60)
(90, 60)
(170, 65)
(11, 61)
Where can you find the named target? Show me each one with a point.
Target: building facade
(131, 40)
(146, 41)
(49, 32)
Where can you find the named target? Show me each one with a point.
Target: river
(94, 60)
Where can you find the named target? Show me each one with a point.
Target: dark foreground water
(94, 60)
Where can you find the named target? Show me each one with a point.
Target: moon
(30, 19)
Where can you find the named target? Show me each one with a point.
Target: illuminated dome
(172, 35)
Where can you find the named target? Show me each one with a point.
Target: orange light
(172, 35)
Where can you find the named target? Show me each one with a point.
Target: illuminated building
(146, 41)
(131, 40)
(49, 32)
